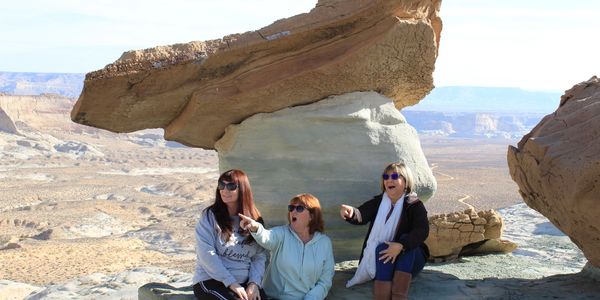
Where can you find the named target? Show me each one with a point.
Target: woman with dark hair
(394, 249)
(230, 264)
(302, 264)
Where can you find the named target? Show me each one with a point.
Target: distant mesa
(195, 90)
(40, 112)
(27, 83)
(472, 124)
(557, 167)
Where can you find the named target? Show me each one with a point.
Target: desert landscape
(86, 213)
(111, 202)
(95, 203)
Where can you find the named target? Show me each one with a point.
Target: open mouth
(390, 187)
(294, 219)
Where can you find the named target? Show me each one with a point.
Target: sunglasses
(394, 176)
(231, 186)
(298, 208)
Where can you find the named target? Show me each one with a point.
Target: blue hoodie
(296, 270)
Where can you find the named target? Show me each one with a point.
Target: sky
(545, 45)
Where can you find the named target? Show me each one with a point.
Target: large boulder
(557, 167)
(335, 149)
(195, 90)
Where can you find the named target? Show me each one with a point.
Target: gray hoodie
(226, 261)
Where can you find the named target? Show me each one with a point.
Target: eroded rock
(466, 233)
(6, 124)
(557, 167)
(196, 90)
(334, 149)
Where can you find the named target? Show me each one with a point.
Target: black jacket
(412, 231)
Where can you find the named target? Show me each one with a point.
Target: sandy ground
(121, 202)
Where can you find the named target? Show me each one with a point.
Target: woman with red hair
(302, 264)
(230, 264)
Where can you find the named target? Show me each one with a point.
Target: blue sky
(534, 44)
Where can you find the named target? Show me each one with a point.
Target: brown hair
(245, 203)
(314, 208)
(404, 171)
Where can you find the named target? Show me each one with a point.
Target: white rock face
(6, 124)
(334, 149)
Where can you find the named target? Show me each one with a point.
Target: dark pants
(411, 261)
(216, 290)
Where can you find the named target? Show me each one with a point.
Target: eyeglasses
(231, 186)
(298, 208)
(394, 176)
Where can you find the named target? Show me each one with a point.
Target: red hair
(314, 208)
(245, 202)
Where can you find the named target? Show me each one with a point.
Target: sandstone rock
(334, 149)
(557, 167)
(6, 124)
(466, 233)
(196, 90)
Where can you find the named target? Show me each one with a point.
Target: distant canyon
(454, 111)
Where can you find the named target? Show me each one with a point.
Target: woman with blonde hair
(302, 264)
(394, 249)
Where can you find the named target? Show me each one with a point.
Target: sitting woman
(230, 264)
(302, 264)
(394, 250)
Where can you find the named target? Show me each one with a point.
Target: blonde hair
(402, 170)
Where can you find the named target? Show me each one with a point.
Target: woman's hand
(248, 224)
(346, 211)
(391, 252)
(253, 291)
(239, 291)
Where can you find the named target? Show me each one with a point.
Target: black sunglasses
(394, 176)
(231, 186)
(298, 208)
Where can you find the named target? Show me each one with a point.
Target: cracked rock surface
(557, 167)
(468, 232)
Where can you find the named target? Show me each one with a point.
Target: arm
(365, 213)
(419, 227)
(257, 266)
(321, 288)
(207, 255)
(268, 239)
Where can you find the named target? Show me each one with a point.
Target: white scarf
(382, 231)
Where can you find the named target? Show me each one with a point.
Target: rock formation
(335, 149)
(195, 90)
(557, 167)
(6, 124)
(466, 233)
